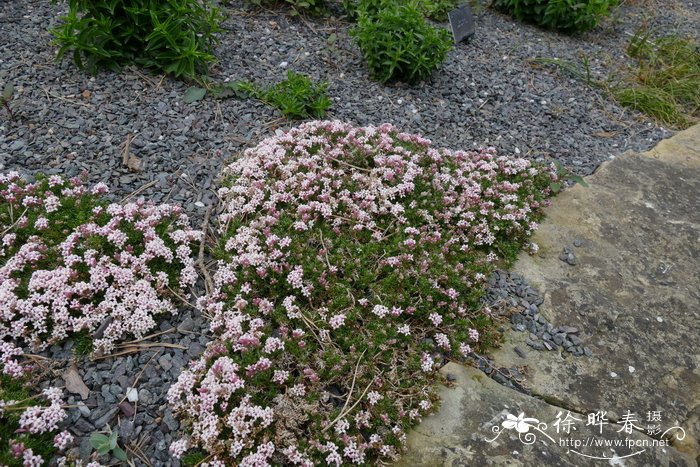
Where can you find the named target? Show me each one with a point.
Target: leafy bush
(69, 263)
(173, 36)
(297, 96)
(437, 9)
(434, 9)
(568, 16)
(398, 43)
(298, 6)
(351, 264)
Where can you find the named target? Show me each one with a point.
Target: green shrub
(398, 43)
(172, 36)
(313, 7)
(434, 9)
(297, 96)
(437, 9)
(569, 16)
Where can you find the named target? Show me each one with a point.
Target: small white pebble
(543, 102)
(631, 369)
(199, 204)
(659, 319)
(613, 374)
(517, 150)
(284, 64)
(400, 101)
(132, 394)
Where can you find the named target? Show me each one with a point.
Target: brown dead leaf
(74, 383)
(133, 163)
(86, 95)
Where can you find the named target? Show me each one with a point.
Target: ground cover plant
(350, 266)
(666, 80)
(570, 16)
(397, 42)
(70, 263)
(171, 36)
(296, 96)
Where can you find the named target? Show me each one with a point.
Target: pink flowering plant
(350, 267)
(71, 263)
(28, 423)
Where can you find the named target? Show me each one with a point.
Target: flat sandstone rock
(634, 294)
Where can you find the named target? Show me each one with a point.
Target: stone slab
(634, 294)
(459, 433)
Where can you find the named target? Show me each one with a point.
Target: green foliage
(313, 7)
(437, 9)
(666, 80)
(397, 42)
(14, 389)
(565, 174)
(84, 343)
(296, 97)
(193, 458)
(570, 16)
(664, 83)
(104, 444)
(434, 9)
(651, 101)
(171, 36)
(6, 97)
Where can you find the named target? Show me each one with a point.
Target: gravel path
(486, 93)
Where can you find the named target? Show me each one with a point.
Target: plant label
(462, 23)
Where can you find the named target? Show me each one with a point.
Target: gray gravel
(146, 423)
(486, 93)
(508, 294)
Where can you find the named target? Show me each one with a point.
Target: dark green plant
(297, 96)
(434, 9)
(570, 16)
(437, 9)
(398, 43)
(6, 97)
(313, 7)
(171, 36)
(104, 444)
(218, 90)
(84, 343)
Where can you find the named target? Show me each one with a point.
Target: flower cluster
(352, 262)
(70, 263)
